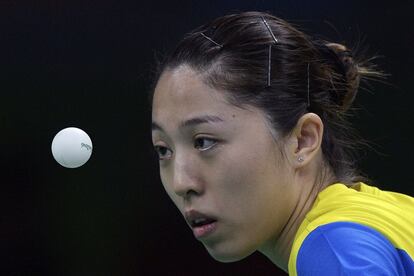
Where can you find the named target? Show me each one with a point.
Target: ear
(305, 140)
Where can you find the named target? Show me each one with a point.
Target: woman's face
(224, 164)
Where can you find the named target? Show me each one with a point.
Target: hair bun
(349, 70)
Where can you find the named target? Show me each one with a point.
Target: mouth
(202, 224)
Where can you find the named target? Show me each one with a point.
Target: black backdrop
(88, 64)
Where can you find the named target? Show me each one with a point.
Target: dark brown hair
(306, 75)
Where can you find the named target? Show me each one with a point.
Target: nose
(185, 182)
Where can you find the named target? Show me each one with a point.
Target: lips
(203, 225)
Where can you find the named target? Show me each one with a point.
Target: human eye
(204, 143)
(163, 152)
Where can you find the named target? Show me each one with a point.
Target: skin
(234, 169)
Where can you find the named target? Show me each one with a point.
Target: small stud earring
(300, 159)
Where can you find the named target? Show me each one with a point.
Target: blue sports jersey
(358, 230)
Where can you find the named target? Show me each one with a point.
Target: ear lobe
(308, 134)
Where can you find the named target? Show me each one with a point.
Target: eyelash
(159, 148)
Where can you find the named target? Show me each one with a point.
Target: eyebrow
(205, 119)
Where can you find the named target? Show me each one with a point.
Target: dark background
(88, 64)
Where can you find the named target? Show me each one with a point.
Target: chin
(227, 256)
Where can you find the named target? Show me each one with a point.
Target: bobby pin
(270, 30)
(269, 62)
(219, 45)
(308, 88)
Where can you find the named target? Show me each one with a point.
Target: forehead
(181, 93)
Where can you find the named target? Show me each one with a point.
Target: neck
(279, 248)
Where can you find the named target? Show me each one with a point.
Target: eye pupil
(199, 143)
(162, 150)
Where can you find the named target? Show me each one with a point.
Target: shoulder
(347, 248)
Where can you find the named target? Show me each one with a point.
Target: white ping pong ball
(71, 147)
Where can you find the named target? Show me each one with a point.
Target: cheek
(244, 196)
(251, 182)
(241, 179)
(252, 158)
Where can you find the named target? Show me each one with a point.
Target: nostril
(191, 192)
